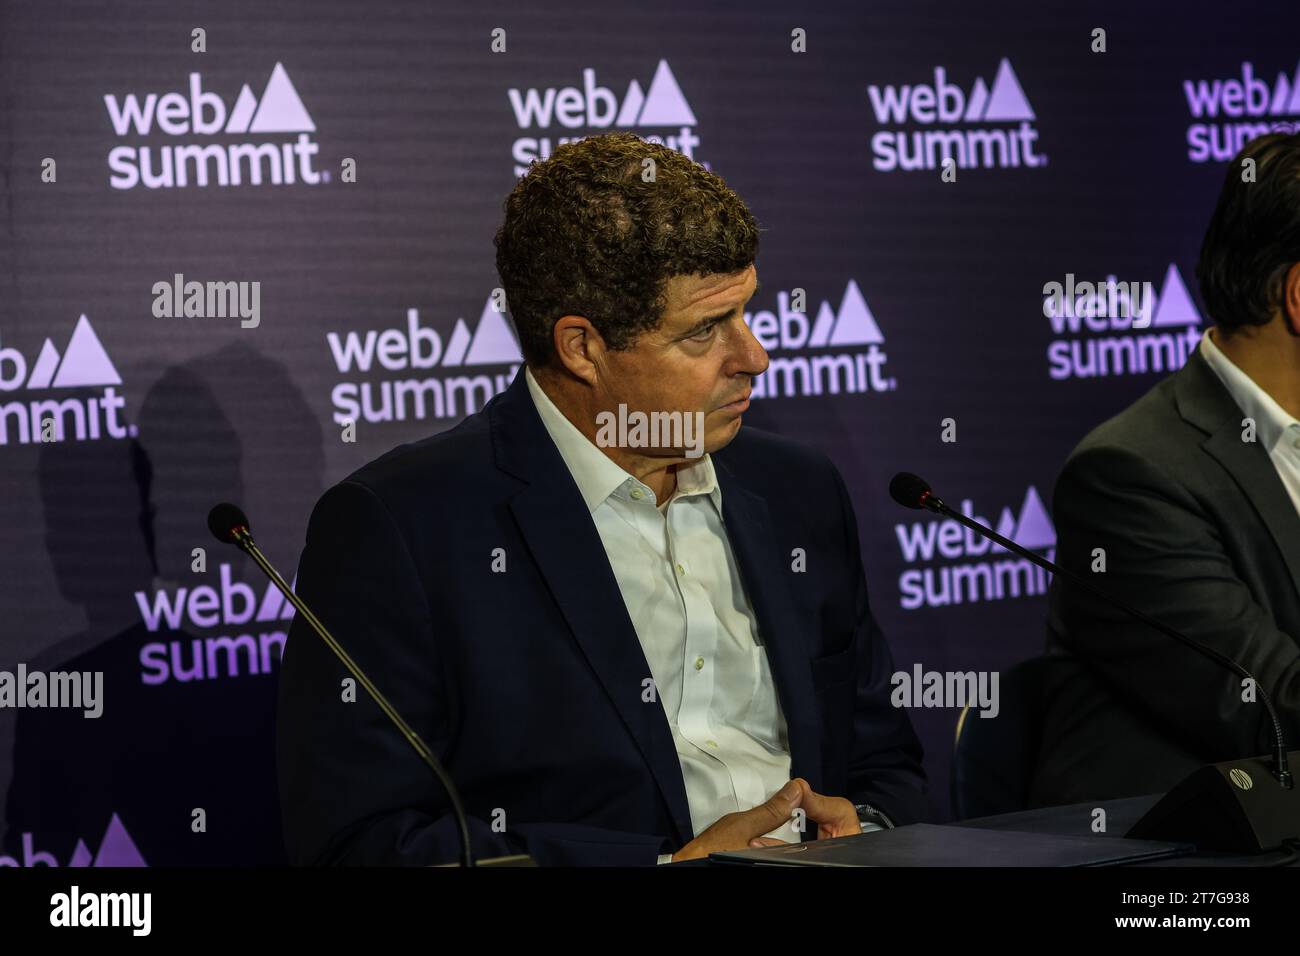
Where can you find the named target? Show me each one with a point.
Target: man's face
(702, 357)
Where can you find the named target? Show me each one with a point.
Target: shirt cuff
(665, 858)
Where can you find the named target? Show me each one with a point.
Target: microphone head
(908, 489)
(223, 519)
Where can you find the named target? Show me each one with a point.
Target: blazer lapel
(562, 538)
(780, 626)
(1206, 403)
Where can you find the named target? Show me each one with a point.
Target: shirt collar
(596, 474)
(1271, 419)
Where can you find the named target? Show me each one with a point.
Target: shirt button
(1296, 443)
(712, 743)
(638, 494)
(680, 569)
(699, 663)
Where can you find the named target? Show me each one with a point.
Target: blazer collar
(1205, 403)
(765, 571)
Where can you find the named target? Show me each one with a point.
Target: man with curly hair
(632, 631)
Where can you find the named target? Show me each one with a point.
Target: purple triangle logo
(117, 848)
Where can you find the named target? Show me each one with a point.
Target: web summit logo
(839, 352)
(1106, 329)
(979, 574)
(232, 607)
(596, 108)
(115, 849)
(84, 365)
(1229, 113)
(966, 128)
(277, 112)
(416, 348)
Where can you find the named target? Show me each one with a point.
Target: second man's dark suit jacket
(1199, 533)
(529, 683)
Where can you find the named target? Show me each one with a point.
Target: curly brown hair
(586, 234)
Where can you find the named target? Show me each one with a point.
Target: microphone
(229, 525)
(1218, 805)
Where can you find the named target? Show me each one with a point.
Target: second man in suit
(1190, 500)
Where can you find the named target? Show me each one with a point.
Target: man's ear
(578, 346)
(1291, 299)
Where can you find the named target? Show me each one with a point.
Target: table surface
(1076, 820)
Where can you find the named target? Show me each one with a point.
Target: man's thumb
(776, 810)
(788, 794)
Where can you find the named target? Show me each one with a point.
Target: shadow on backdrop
(188, 678)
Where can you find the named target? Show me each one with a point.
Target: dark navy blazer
(528, 682)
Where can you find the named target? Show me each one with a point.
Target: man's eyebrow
(710, 319)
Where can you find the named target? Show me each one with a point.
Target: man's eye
(704, 334)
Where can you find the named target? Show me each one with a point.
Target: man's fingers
(766, 841)
(846, 828)
(769, 815)
(818, 806)
(813, 803)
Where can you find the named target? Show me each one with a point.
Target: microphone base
(1236, 806)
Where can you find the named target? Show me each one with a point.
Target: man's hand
(834, 816)
(734, 831)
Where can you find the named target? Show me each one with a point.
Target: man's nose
(751, 358)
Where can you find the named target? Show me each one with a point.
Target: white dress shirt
(1275, 429)
(683, 592)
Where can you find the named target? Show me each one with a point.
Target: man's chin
(720, 436)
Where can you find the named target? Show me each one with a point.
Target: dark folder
(924, 844)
